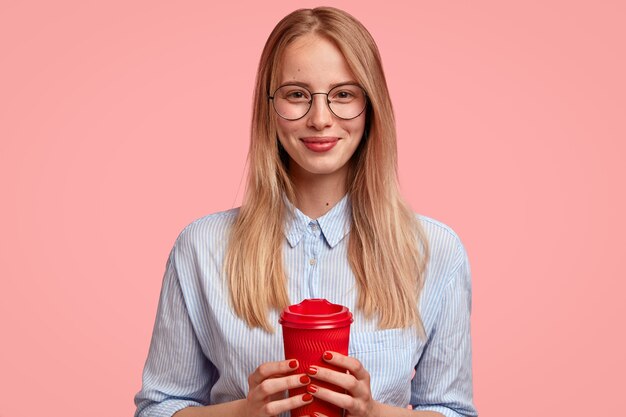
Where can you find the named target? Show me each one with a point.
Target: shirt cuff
(166, 408)
(443, 410)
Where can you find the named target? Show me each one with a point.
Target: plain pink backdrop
(121, 122)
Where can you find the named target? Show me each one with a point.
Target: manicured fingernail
(311, 388)
(312, 370)
(328, 356)
(305, 379)
(293, 364)
(307, 397)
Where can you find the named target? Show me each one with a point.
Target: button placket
(313, 241)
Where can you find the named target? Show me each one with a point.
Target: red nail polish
(307, 397)
(312, 370)
(293, 364)
(328, 356)
(305, 379)
(311, 388)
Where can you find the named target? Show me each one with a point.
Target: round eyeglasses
(293, 102)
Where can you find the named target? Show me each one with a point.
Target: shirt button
(312, 261)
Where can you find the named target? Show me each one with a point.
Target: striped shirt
(201, 353)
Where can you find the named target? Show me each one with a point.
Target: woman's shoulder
(213, 227)
(445, 246)
(438, 231)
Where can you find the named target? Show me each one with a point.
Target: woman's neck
(317, 194)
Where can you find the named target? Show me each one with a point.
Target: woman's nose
(319, 116)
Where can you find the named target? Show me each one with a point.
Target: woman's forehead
(314, 61)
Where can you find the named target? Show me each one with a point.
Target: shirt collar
(334, 225)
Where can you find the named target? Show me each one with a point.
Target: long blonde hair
(387, 247)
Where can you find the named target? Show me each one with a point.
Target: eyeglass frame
(271, 97)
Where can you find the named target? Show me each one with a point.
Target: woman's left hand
(357, 401)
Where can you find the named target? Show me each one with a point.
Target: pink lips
(320, 144)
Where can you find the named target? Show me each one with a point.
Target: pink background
(122, 122)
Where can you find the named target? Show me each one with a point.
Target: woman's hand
(267, 386)
(357, 401)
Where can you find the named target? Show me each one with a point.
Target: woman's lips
(320, 144)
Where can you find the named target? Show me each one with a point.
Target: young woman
(322, 218)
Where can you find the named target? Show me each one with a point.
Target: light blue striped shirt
(202, 353)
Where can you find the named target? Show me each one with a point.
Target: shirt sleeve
(443, 379)
(177, 374)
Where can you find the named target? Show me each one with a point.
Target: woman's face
(320, 143)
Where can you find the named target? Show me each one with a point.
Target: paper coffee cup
(309, 329)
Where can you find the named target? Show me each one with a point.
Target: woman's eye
(297, 95)
(343, 95)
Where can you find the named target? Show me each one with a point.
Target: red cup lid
(315, 313)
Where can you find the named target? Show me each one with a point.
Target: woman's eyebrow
(308, 86)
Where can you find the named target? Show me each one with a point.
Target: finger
(351, 364)
(274, 408)
(339, 399)
(348, 382)
(271, 370)
(273, 386)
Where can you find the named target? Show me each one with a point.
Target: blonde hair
(387, 247)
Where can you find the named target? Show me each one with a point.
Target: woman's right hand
(267, 386)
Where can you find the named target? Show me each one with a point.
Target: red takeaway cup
(310, 329)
